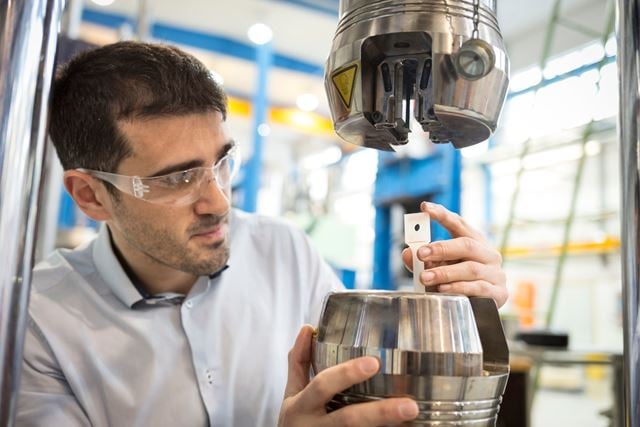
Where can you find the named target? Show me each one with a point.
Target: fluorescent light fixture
(260, 33)
(307, 102)
(103, 2)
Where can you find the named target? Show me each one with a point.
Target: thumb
(407, 259)
(299, 362)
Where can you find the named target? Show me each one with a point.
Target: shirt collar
(111, 271)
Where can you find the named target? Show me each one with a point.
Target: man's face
(192, 238)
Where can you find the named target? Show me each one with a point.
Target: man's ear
(89, 195)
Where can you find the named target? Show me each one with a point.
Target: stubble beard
(169, 250)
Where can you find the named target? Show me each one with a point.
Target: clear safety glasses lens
(177, 188)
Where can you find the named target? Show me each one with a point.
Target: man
(181, 311)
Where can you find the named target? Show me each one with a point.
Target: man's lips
(214, 233)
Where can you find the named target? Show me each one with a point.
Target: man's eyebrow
(226, 148)
(177, 168)
(193, 163)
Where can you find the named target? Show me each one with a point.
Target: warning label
(344, 80)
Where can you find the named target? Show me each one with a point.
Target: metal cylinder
(628, 71)
(445, 351)
(27, 48)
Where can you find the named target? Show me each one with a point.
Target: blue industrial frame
(253, 167)
(202, 40)
(329, 7)
(435, 178)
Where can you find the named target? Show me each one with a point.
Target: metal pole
(27, 49)
(253, 169)
(143, 21)
(628, 69)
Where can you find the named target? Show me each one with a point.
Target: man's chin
(209, 258)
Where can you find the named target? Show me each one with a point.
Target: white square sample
(417, 228)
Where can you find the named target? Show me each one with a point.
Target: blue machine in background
(407, 182)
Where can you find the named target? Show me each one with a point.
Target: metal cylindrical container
(430, 347)
(394, 59)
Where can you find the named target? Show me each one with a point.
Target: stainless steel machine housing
(442, 61)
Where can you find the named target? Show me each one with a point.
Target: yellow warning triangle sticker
(344, 81)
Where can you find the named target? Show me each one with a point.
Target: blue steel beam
(253, 169)
(382, 278)
(206, 41)
(328, 7)
(436, 178)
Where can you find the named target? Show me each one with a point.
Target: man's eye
(179, 179)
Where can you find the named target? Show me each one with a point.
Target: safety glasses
(178, 188)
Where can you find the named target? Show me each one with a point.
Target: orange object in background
(523, 301)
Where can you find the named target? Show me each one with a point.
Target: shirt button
(209, 376)
(189, 304)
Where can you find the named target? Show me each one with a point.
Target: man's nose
(213, 199)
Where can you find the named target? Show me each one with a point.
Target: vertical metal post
(253, 170)
(143, 20)
(450, 194)
(382, 278)
(628, 72)
(27, 48)
(487, 178)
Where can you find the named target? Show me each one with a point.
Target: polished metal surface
(494, 343)
(411, 333)
(629, 72)
(428, 345)
(27, 49)
(394, 61)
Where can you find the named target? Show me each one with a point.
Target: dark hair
(123, 81)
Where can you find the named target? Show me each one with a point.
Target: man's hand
(305, 400)
(466, 264)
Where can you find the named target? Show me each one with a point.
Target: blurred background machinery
(545, 188)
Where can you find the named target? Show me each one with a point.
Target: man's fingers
(383, 412)
(467, 271)
(478, 288)
(338, 378)
(461, 248)
(407, 259)
(453, 222)
(299, 362)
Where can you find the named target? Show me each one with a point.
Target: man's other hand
(465, 265)
(305, 400)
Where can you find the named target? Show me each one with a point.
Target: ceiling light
(264, 129)
(592, 148)
(102, 2)
(307, 102)
(260, 33)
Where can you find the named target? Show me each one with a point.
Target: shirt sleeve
(45, 398)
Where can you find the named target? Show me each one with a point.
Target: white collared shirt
(95, 356)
